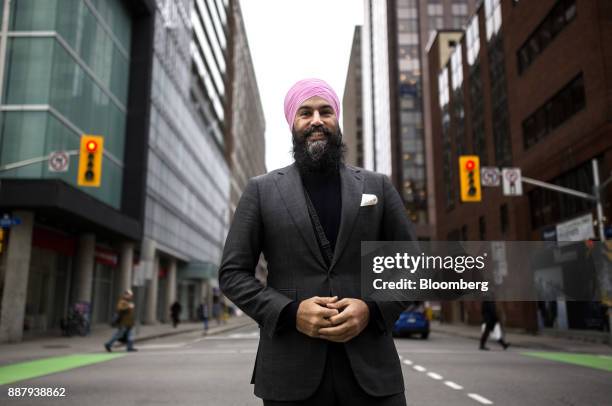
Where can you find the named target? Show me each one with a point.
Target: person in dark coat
(489, 318)
(321, 342)
(175, 313)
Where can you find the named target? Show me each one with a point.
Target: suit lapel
(291, 191)
(351, 182)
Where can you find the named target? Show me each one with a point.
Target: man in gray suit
(321, 343)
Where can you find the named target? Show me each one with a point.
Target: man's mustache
(319, 129)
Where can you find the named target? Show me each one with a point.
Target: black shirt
(325, 194)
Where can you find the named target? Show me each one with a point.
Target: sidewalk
(523, 340)
(43, 347)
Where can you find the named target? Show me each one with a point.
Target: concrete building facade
(70, 68)
(188, 178)
(352, 105)
(161, 72)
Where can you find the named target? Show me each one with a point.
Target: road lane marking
(161, 346)
(480, 399)
(254, 334)
(420, 368)
(407, 362)
(34, 369)
(453, 385)
(434, 376)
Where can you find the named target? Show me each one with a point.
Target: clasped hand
(332, 319)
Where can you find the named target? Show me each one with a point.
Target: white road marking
(419, 368)
(254, 334)
(233, 337)
(453, 385)
(434, 376)
(161, 346)
(480, 399)
(407, 362)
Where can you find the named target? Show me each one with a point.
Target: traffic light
(1, 240)
(90, 160)
(469, 173)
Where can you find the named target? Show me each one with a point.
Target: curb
(515, 344)
(192, 330)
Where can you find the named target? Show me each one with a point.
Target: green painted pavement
(33, 369)
(586, 360)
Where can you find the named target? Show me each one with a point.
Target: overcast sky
(291, 40)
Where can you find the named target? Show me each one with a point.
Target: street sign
(58, 161)
(6, 221)
(490, 176)
(512, 183)
(578, 229)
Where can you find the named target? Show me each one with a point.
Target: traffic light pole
(596, 197)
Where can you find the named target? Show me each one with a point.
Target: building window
(435, 10)
(556, 111)
(499, 102)
(548, 207)
(436, 23)
(407, 13)
(472, 40)
(561, 15)
(464, 233)
(482, 228)
(459, 9)
(493, 17)
(457, 67)
(443, 87)
(477, 114)
(503, 218)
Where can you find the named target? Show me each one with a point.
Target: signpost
(578, 229)
(512, 182)
(490, 176)
(59, 161)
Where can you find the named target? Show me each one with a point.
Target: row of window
(561, 15)
(462, 234)
(548, 207)
(563, 105)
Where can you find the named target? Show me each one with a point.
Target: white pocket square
(368, 200)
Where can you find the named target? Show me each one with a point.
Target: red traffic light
(91, 146)
(469, 165)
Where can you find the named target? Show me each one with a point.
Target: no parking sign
(512, 182)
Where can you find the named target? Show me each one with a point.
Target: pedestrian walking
(217, 310)
(124, 321)
(203, 314)
(321, 343)
(175, 313)
(490, 319)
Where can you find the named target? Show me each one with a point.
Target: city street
(191, 369)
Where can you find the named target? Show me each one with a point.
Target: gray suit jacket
(272, 218)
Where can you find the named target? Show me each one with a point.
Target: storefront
(49, 280)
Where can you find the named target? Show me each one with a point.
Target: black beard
(322, 156)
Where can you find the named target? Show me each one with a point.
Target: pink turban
(304, 90)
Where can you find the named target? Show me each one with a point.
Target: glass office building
(66, 74)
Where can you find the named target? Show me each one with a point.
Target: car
(412, 321)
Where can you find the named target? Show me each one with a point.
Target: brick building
(528, 85)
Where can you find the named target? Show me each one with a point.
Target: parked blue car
(411, 322)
